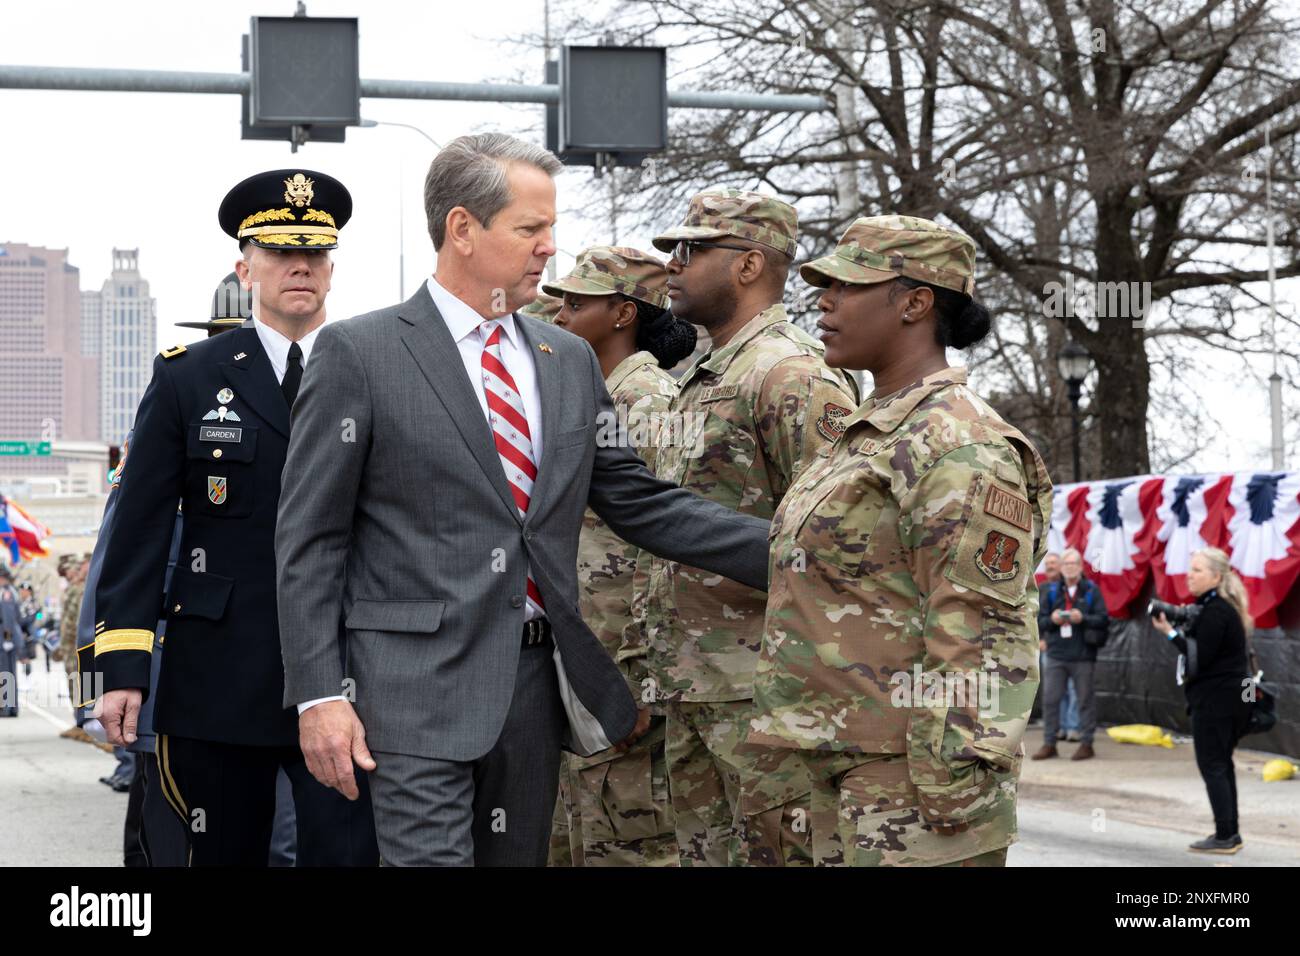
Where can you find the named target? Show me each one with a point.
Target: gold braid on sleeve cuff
(124, 639)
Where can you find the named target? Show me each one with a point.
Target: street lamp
(1074, 363)
(401, 217)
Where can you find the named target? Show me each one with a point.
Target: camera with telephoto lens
(1179, 615)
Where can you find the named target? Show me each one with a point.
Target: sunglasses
(682, 251)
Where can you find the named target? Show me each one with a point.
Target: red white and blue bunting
(1130, 528)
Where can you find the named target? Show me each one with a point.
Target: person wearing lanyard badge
(1072, 621)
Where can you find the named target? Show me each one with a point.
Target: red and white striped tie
(509, 431)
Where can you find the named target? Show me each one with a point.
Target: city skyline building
(49, 386)
(125, 338)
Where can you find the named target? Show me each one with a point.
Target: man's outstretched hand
(332, 739)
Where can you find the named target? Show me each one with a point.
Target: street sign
(24, 448)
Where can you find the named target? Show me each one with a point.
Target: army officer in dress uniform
(900, 644)
(212, 431)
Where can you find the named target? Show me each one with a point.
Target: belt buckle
(533, 632)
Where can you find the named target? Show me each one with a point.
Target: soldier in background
(73, 570)
(899, 655)
(29, 614)
(760, 404)
(65, 651)
(70, 607)
(614, 806)
(12, 635)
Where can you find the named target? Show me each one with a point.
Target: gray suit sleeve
(666, 520)
(328, 446)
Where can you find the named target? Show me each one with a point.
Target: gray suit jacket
(396, 520)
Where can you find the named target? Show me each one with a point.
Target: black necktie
(292, 374)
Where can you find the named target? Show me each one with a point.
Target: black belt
(536, 632)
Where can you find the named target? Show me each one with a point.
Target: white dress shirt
(464, 325)
(276, 346)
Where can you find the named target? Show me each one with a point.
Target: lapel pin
(545, 348)
(241, 355)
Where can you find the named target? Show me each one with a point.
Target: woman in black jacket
(1217, 678)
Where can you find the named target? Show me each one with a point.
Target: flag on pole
(8, 540)
(29, 533)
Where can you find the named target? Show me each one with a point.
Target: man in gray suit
(441, 456)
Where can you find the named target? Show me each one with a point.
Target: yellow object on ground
(1147, 734)
(1279, 769)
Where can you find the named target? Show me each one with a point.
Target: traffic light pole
(181, 81)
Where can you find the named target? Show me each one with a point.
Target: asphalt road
(1053, 836)
(56, 812)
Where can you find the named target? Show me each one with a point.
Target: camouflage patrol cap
(604, 270)
(881, 248)
(544, 307)
(716, 213)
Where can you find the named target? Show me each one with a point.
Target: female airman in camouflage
(614, 807)
(900, 644)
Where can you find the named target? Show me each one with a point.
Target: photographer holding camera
(1211, 634)
(1072, 624)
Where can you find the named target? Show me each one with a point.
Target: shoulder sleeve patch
(1008, 506)
(172, 352)
(993, 559)
(831, 423)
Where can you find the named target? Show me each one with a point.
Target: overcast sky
(94, 171)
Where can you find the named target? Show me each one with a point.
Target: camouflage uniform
(68, 625)
(756, 409)
(544, 307)
(900, 648)
(613, 808)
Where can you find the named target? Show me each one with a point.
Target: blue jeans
(1070, 708)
